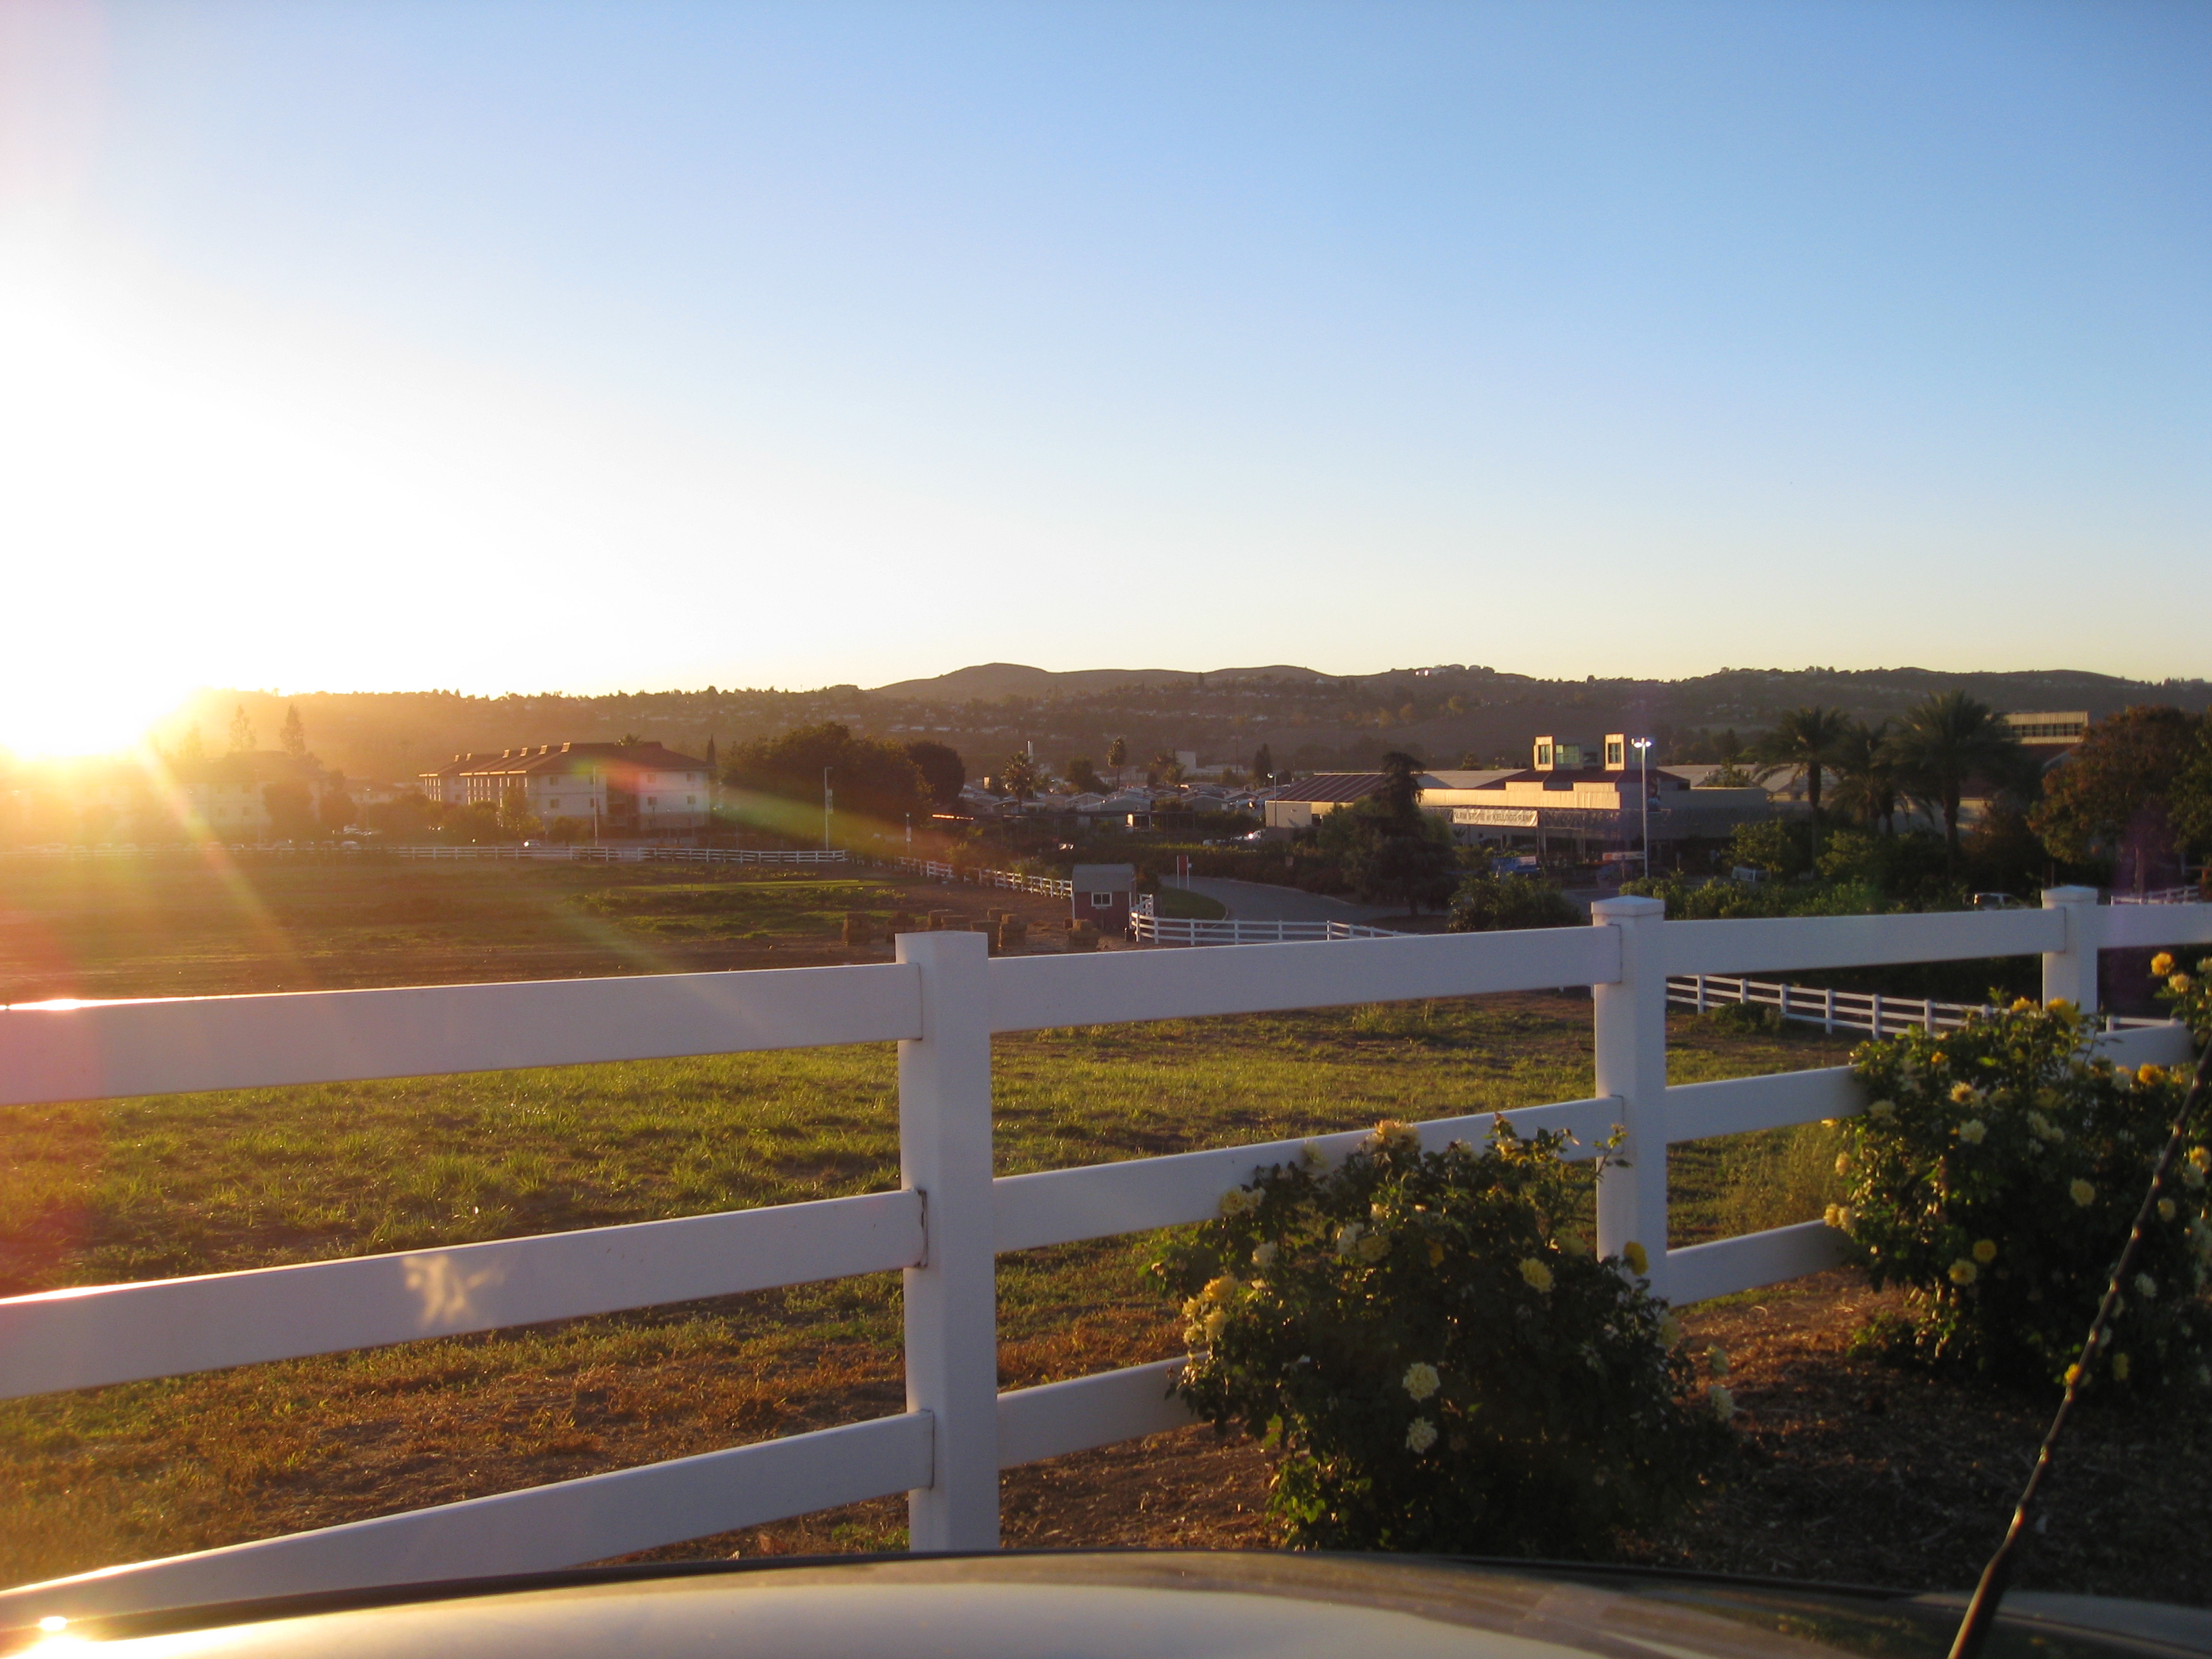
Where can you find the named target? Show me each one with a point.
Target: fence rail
(2186, 895)
(941, 1001)
(1011, 880)
(599, 852)
(1151, 929)
(1875, 1012)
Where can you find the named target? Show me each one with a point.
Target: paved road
(1258, 901)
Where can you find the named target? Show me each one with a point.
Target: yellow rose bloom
(1724, 1402)
(2023, 1005)
(2083, 1192)
(2120, 1368)
(2165, 1211)
(1972, 1132)
(1842, 1163)
(1670, 1331)
(1964, 1272)
(1882, 1109)
(1985, 1250)
(1634, 1255)
(1538, 1276)
(1961, 1093)
(2161, 964)
(2150, 1075)
(2181, 985)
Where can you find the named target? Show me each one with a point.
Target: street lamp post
(827, 797)
(1643, 781)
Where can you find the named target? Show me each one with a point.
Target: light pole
(1643, 781)
(826, 798)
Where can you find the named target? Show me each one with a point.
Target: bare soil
(1849, 1471)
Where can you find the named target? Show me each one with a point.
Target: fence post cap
(1625, 908)
(2055, 896)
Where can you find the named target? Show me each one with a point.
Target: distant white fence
(1011, 880)
(1151, 929)
(942, 1001)
(583, 852)
(1873, 1012)
(2186, 894)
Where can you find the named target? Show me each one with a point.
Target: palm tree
(1807, 737)
(1944, 741)
(1866, 776)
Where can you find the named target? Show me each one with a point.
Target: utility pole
(827, 798)
(1644, 776)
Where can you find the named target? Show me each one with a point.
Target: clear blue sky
(507, 346)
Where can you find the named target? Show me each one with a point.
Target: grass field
(104, 1191)
(186, 926)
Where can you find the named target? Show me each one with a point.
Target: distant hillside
(993, 680)
(1308, 721)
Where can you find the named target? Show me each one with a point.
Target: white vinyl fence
(1151, 929)
(581, 852)
(1009, 880)
(942, 1001)
(2188, 895)
(1873, 1012)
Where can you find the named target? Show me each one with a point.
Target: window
(1612, 755)
(1102, 901)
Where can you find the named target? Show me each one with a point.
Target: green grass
(1184, 905)
(741, 909)
(97, 1192)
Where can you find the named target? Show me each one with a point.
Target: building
(1562, 800)
(2049, 734)
(619, 789)
(1102, 895)
(247, 796)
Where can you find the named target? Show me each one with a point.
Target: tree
(1018, 776)
(1117, 756)
(293, 739)
(291, 813)
(1400, 797)
(1164, 769)
(1806, 737)
(943, 772)
(2125, 769)
(1866, 776)
(776, 783)
(516, 821)
(1263, 767)
(1945, 741)
(1417, 864)
(241, 732)
(1084, 775)
(192, 748)
(336, 809)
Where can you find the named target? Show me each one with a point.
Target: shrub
(1445, 1364)
(1995, 1177)
(1485, 901)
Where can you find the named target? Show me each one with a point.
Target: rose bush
(1994, 1175)
(1446, 1365)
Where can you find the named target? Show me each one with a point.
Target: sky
(592, 347)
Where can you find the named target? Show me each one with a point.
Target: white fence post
(2072, 973)
(951, 1310)
(1631, 1021)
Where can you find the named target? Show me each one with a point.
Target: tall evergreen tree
(241, 732)
(293, 739)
